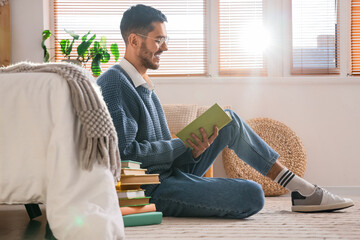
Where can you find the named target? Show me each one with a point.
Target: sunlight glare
(257, 38)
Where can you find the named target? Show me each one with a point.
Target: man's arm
(162, 152)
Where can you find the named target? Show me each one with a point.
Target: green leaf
(63, 46)
(114, 49)
(46, 56)
(45, 35)
(96, 46)
(102, 51)
(69, 49)
(67, 44)
(92, 38)
(85, 36)
(103, 42)
(92, 52)
(84, 46)
(95, 65)
(105, 57)
(86, 52)
(71, 33)
(81, 49)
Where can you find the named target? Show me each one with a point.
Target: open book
(215, 115)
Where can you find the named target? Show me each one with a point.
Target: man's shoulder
(114, 75)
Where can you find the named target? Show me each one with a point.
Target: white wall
(324, 111)
(27, 23)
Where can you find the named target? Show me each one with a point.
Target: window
(245, 34)
(186, 29)
(242, 37)
(315, 37)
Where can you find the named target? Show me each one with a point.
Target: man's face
(150, 49)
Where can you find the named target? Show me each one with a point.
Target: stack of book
(134, 205)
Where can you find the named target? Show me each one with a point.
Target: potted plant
(83, 48)
(66, 46)
(98, 53)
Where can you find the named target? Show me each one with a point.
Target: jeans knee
(235, 127)
(256, 198)
(237, 121)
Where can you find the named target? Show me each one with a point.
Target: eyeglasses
(159, 41)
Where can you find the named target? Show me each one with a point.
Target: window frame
(55, 47)
(279, 67)
(317, 71)
(263, 72)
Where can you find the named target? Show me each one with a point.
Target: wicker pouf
(283, 140)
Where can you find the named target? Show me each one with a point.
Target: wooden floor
(15, 223)
(275, 221)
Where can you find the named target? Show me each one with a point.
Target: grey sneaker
(319, 201)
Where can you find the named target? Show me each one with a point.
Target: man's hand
(201, 146)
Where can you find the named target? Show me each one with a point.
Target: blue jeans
(186, 193)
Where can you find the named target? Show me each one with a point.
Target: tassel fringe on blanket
(98, 135)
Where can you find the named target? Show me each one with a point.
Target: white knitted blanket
(98, 135)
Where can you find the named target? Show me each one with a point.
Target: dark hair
(139, 19)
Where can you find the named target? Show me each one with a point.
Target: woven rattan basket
(283, 140)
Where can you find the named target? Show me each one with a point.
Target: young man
(144, 136)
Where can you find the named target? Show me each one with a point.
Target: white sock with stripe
(292, 182)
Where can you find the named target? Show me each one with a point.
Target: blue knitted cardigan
(141, 126)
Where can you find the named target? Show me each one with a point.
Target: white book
(131, 194)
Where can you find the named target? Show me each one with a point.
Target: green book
(141, 219)
(130, 164)
(215, 115)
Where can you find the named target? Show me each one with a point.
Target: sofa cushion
(179, 115)
(202, 109)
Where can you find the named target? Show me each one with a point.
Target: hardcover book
(138, 209)
(125, 202)
(133, 171)
(130, 164)
(139, 179)
(141, 219)
(120, 187)
(215, 115)
(131, 193)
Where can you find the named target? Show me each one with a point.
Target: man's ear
(134, 40)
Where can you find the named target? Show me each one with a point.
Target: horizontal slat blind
(355, 37)
(241, 37)
(315, 37)
(185, 28)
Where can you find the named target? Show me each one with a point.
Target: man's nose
(164, 47)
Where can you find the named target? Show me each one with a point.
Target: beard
(146, 57)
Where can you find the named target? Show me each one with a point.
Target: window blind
(355, 37)
(185, 28)
(242, 37)
(315, 37)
